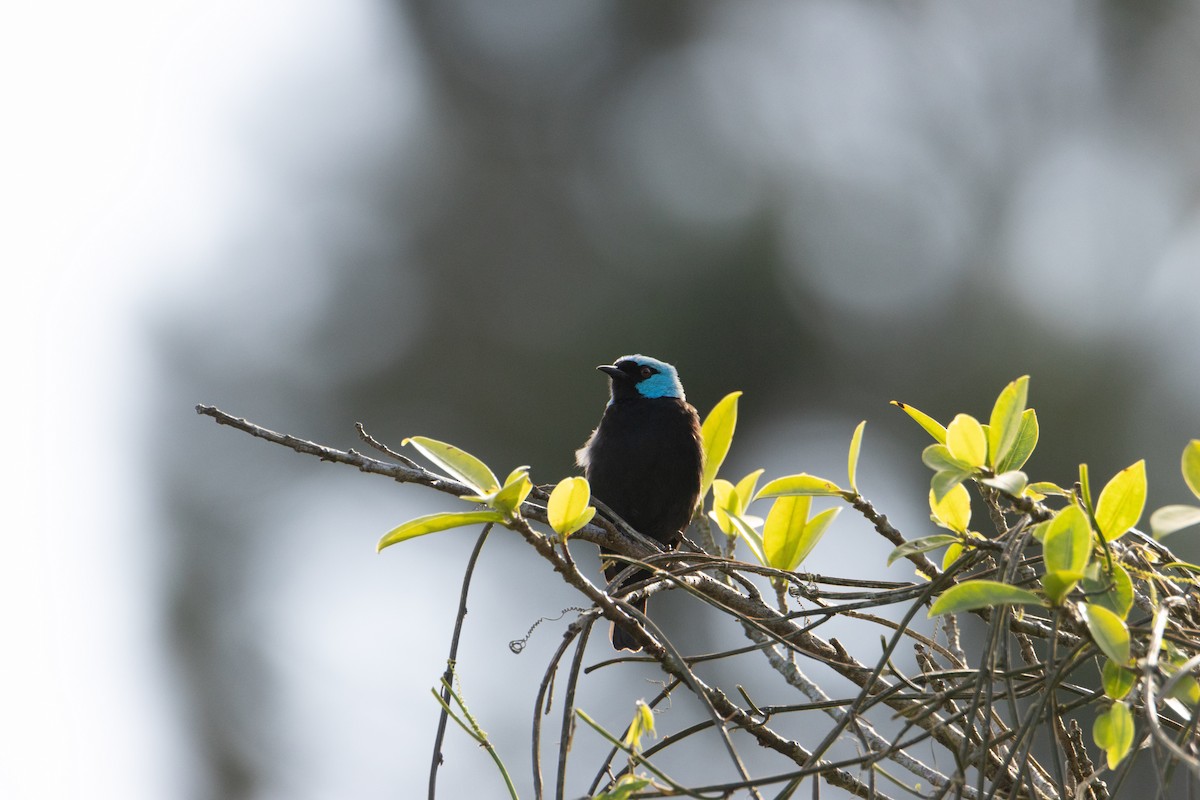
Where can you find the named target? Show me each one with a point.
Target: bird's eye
(647, 371)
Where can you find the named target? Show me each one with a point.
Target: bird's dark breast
(644, 462)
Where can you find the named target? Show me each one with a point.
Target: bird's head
(642, 376)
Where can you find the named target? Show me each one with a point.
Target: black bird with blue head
(644, 460)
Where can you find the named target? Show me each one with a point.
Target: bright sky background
(118, 157)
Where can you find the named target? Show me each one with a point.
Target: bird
(645, 460)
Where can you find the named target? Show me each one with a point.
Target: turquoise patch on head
(664, 383)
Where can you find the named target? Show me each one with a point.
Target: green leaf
(1121, 503)
(944, 482)
(922, 545)
(953, 553)
(966, 440)
(784, 529)
(855, 447)
(1169, 519)
(1085, 488)
(1068, 543)
(953, 511)
(802, 484)
(813, 532)
(1190, 465)
(1113, 733)
(642, 724)
(568, 508)
(1108, 632)
(1057, 585)
(1047, 487)
(1118, 681)
(1113, 591)
(432, 523)
(937, 457)
(1005, 422)
(625, 787)
(931, 426)
(725, 500)
(745, 489)
(971, 595)
(1022, 448)
(460, 464)
(716, 435)
(751, 537)
(1011, 482)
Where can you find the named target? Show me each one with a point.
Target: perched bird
(644, 460)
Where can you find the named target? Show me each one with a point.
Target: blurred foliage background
(444, 215)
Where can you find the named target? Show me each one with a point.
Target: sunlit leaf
(1048, 488)
(745, 490)
(953, 553)
(1108, 632)
(625, 787)
(1121, 502)
(1113, 591)
(1005, 422)
(966, 440)
(751, 537)
(1117, 680)
(944, 482)
(1190, 465)
(784, 529)
(1067, 546)
(460, 464)
(953, 511)
(937, 457)
(1169, 519)
(568, 508)
(1057, 585)
(931, 426)
(855, 447)
(642, 724)
(1113, 733)
(1011, 482)
(922, 545)
(802, 484)
(982, 594)
(724, 500)
(1023, 446)
(433, 523)
(813, 532)
(716, 434)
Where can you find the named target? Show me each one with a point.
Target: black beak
(613, 372)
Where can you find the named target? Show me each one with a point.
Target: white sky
(118, 155)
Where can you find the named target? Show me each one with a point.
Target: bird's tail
(622, 639)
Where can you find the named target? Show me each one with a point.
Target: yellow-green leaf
(931, 426)
(1113, 591)
(1057, 585)
(1121, 503)
(625, 787)
(937, 457)
(784, 529)
(568, 508)
(745, 490)
(922, 545)
(642, 724)
(432, 523)
(1113, 733)
(461, 465)
(1005, 422)
(1068, 543)
(855, 447)
(944, 482)
(1023, 446)
(953, 511)
(953, 553)
(751, 537)
(724, 500)
(1117, 680)
(813, 531)
(1108, 632)
(1169, 519)
(966, 440)
(1011, 482)
(1190, 465)
(802, 484)
(1047, 487)
(716, 435)
(970, 595)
